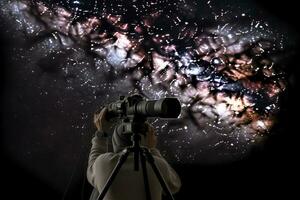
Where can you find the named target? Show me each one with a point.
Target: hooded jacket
(128, 184)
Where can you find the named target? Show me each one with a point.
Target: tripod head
(133, 127)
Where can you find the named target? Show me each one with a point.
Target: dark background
(269, 171)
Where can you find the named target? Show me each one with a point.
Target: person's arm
(168, 173)
(99, 146)
(100, 143)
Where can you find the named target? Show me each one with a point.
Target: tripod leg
(115, 171)
(145, 176)
(136, 158)
(161, 180)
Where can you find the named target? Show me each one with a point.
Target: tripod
(139, 153)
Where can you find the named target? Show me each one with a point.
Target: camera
(135, 109)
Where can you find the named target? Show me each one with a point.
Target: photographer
(128, 184)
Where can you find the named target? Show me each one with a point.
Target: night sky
(232, 64)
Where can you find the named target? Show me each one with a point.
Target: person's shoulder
(159, 160)
(107, 158)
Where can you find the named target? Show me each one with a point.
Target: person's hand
(101, 122)
(151, 139)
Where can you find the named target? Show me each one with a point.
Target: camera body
(134, 111)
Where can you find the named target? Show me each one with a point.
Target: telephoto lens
(136, 105)
(163, 108)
